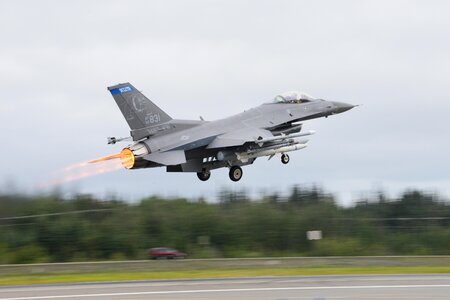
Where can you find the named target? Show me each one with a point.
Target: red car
(168, 253)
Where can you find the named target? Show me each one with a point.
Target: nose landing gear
(285, 158)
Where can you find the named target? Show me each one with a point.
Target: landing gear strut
(235, 173)
(204, 175)
(285, 158)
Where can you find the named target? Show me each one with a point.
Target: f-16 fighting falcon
(201, 146)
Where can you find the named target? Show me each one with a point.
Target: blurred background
(83, 228)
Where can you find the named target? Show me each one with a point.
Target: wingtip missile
(112, 140)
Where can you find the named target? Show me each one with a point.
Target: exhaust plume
(84, 170)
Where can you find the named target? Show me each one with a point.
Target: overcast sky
(218, 58)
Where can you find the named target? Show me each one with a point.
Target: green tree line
(54, 229)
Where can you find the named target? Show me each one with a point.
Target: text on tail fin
(138, 110)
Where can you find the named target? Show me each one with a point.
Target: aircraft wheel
(235, 173)
(285, 158)
(203, 176)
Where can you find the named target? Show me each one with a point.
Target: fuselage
(265, 116)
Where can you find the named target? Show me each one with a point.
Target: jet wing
(168, 158)
(239, 137)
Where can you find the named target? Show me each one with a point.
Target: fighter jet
(199, 146)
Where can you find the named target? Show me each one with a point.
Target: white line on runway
(232, 290)
(195, 282)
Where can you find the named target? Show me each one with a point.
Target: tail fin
(137, 109)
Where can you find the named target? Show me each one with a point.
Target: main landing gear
(235, 173)
(204, 175)
(285, 158)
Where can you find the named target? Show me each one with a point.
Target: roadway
(277, 288)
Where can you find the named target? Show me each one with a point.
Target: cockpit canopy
(293, 97)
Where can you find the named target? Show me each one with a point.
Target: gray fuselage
(265, 116)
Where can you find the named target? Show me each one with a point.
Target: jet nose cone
(340, 107)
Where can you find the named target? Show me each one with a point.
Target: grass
(219, 273)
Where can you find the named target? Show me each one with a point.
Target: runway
(277, 288)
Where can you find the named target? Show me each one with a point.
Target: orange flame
(85, 169)
(104, 158)
(127, 158)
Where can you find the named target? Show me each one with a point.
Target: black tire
(235, 173)
(285, 158)
(204, 176)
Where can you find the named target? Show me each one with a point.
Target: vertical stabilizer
(138, 110)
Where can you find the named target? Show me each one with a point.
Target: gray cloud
(216, 58)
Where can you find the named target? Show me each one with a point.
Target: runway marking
(167, 283)
(231, 290)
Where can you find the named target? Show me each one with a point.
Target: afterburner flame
(127, 158)
(75, 172)
(104, 158)
(84, 170)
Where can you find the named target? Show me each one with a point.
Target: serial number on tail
(152, 118)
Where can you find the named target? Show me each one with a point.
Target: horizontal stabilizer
(169, 158)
